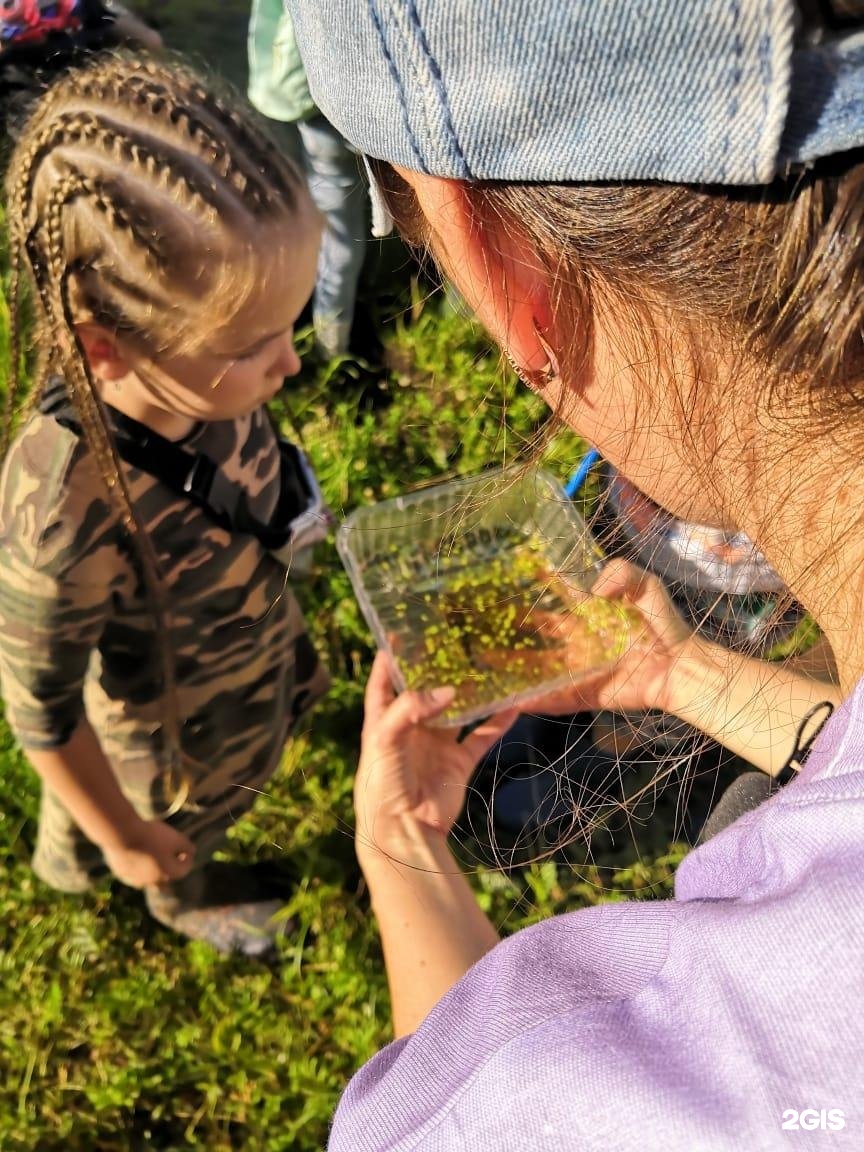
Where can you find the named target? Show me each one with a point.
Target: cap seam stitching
(776, 108)
(767, 72)
(438, 84)
(374, 9)
(735, 97)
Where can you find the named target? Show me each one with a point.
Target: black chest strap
(195, 477)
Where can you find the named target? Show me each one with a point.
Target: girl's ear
(104, 355)
(493, 267)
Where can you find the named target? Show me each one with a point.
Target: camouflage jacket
(76, 632)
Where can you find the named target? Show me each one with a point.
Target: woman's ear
(105, 357)
(493, 267)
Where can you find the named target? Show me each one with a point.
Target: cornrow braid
(256, 144)
(244, 156)
(93, 131)
(243, 169)
(104, 194)
(45, 248)
(248, 182)
(242, 131)
(133, 185)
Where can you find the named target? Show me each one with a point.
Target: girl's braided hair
(132, 196)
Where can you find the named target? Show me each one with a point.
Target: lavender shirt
(728, 1020)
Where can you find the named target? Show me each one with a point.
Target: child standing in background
(153, 656)
(38, 40)
(278, 89)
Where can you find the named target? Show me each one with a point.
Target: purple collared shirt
(730, 1019)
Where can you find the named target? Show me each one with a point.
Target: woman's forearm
(753, 707)
(83, 781)
(432, 929)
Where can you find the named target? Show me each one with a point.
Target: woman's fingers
(389, 716)
(411, 709)
(654, 601)
(617, 578)
(583, 695)
(489, 733)
(380, 692)
(621, 580)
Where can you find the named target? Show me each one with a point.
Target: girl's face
(246, 362)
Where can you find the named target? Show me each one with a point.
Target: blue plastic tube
(581, 474)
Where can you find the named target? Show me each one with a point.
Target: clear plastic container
(483, 584)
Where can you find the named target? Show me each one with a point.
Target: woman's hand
(643, 677)
(156, 855)
(409, 789)
(411, 774)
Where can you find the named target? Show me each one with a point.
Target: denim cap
(686, 91)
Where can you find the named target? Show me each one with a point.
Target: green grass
(115, 1034)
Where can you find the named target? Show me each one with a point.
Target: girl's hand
(409, 773)
(158, 854)
(643, 677)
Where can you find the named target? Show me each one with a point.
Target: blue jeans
(333, 172)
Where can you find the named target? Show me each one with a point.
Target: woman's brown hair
(776, 272)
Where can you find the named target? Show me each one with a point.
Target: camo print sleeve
(59, 567)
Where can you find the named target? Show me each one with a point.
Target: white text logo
(809, 1120)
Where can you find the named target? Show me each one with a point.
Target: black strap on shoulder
(190, 475)
(195, 477)
(295, 497)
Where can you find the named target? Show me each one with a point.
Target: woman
(655, 209)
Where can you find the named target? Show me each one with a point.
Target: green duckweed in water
(494, 626)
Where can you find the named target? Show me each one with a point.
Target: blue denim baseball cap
(686, 91)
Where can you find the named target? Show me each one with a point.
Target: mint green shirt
(277, 78)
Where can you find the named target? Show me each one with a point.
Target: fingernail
(182, 857)
(441, 695)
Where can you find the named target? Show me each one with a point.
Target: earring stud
(550, 373)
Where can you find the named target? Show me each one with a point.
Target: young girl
(580, 171)
(153, 657)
